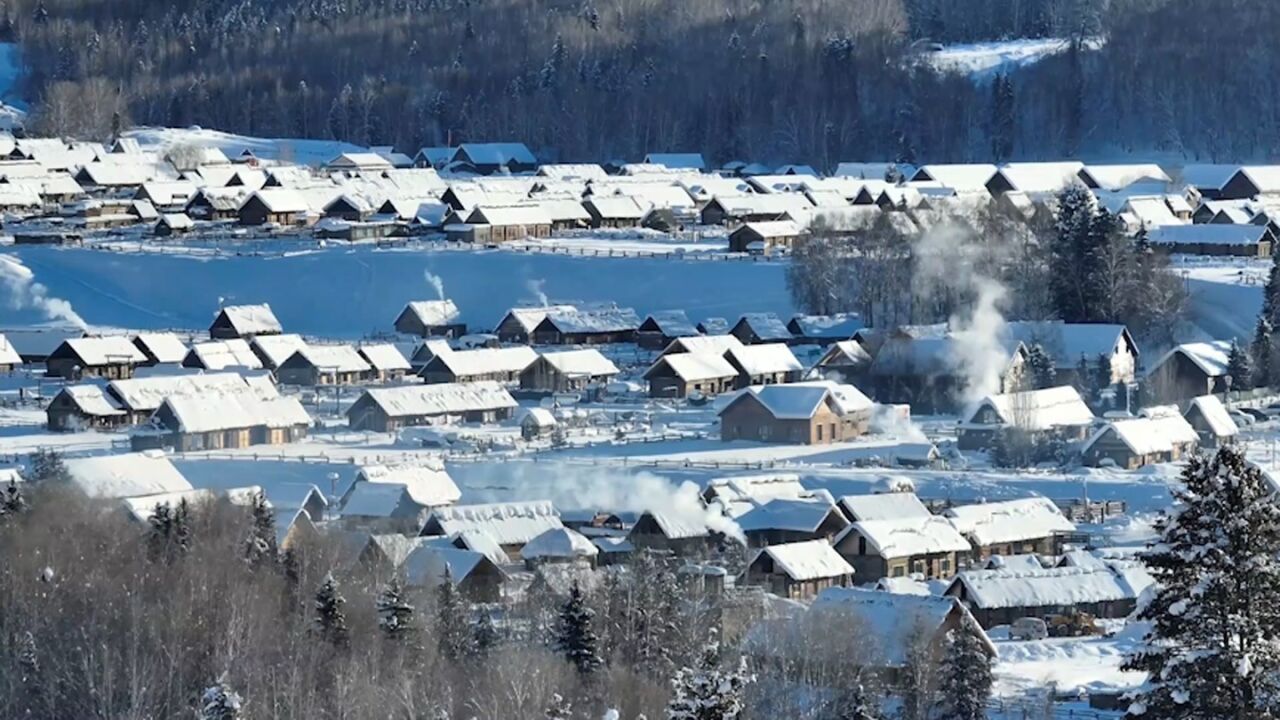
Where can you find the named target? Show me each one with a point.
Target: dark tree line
(792, 80)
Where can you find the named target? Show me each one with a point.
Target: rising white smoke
(579, 487)
(944, 263)
(25, 293)
(537, 288)
(436, 282)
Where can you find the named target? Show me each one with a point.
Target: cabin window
(899, 571)
(820, 432)
(944, 565)
(862, 546)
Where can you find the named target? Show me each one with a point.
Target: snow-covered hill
(305, 152)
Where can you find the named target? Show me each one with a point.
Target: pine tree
(31, 676)
(1102, 373)
(1271, 294)
(1211, 651)
(484, 635)
(1044, 374)
(1002, 118)
(1071, 260)
(395, 614)
(169, 536)
(1239, 369)
(46, 466)
(965, 677)
(1261, 352)
(12, 501)
(452, 630)
(855, 705)
(575, 637)
(559, 708)
(261, 544)
(220, 702)
(708, 692)
(331, 619)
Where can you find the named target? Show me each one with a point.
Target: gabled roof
(251, 319)
(560, 543)
(1146, 436)
(964, 178)
(765, 326)
(486, 361)
(908, 536)
(275, 349)
(107, 350)
(384, 356)
(677, 161)
(1209, 234)
(440, 399)
(671, 323)
(91, 400)
(811, 560)
(530, 317)
(164, 347)
(1118, 177)
(514, 523)
(280, 200)
(502, 153)
(147, 394)
(790, 515)
(702, 344)
(1211, 357)
(764, 359)
(223, 354)
(607, 320)
(1215, 415)
(890, 623)
(1053, 587)
(427, 485)
(1066, 343)
(800, 401)
(693, 367)
(371, 500)
(212, 413)
(330, 358)
(587, 362)
(615, 207)
(1009, 521)
(841, 326)
(754, 488)
(883, 506)
(1041, 177)
(1037, 410)
(8, 353)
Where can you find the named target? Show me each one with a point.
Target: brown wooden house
(812, 413)
(799, 571)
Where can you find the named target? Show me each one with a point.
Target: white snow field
(295, 150)
(982, 61)
(347, 292)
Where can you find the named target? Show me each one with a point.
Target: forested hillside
(785, 80)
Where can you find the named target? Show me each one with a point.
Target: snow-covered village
(419, 410)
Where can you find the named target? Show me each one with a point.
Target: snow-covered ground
(982, 61)
(348, 292)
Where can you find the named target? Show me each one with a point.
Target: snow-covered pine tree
(1239, 368)
(964, 678)
(331, 619)
(1262, 352)
(855, 704)
(1044, 374)
(559, 708)
(707, 691)
(484, 634)
(575, 636)
(260, 546)
(453, 631)
(219, 702)
(32, 701)
(12, 501)
(46, 466)
(395, 614)
(1271, 294)
(651, 635)
(1215, 613)
(1069, 258)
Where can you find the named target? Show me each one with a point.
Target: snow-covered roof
(1211, 357)
(616, 207)
(499, 153)
(1208, 234)
(488, 361)
(1009, 521)
(1066, 343)
(1041, 177)
(143, 507)
(702, 344)
(223, 354)
(1147, 435)
(695, 367)
(91, 400)
(772, 229)
(1037, 410)
(678, 526)
(1118, 177)
(360, 161)
(908, 536)
(1215, 416)
(787, 514)
(800, 401)
(165, 347)
(841, 326)
(890, 624)
(107, 350)
(560, 543)
(883, 506)
(441, 399)
(604, 320)
(384, 356)
(577, 171)
(514, 523)
(373, 500)
(333, 358)
(147, 394)
(275, 349)
(864, 170)
(1052, 587)
(764, 359)
(128, 475)
(525, 214)
(766, 326)
(964, 177)
(8, 354)
(252, 319)
(395, 547)
(427, 485)
(754, 488)
(810, 560)
(778, 205)
(587, 362)
(211, 413)
(1014, 563)
(671, 323)
(529, 317)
